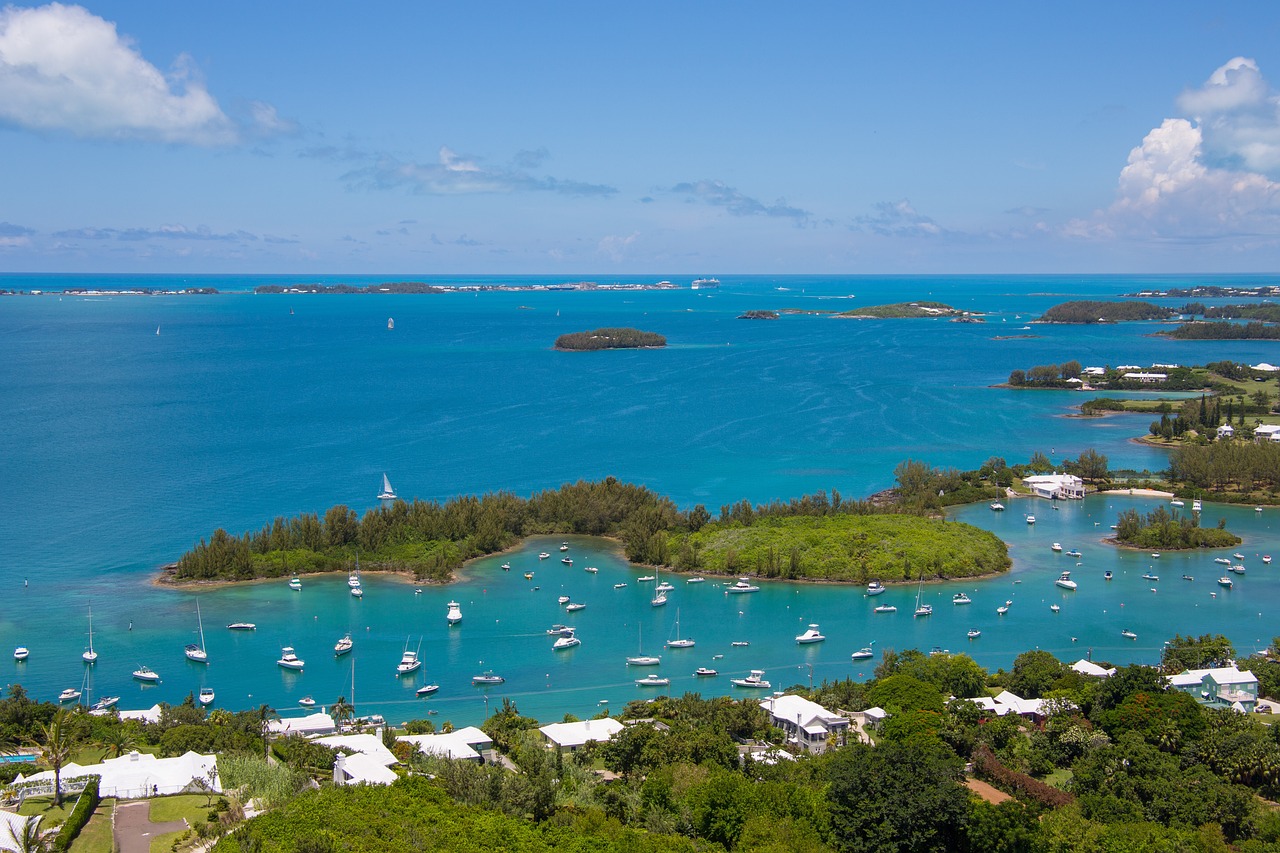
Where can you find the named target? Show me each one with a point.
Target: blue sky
(704, 138)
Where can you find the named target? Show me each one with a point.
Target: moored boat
(487, 678)
(206, 696)
(997, 507)
(454, 616)
(1225, 582)
(21, 653)
(307, 702)
(1128, 634)
(427, 690)
(811, 635)
(409, 662)
(242, 626)
(753, 681)
(574, 607)
(961, 598)
(289, 659)
(566, 641)
(863, 653)
(974, 634)
(145, 673)
(295, 583)
(68, 695)
(876, 588)
(1056, 546)
(886, 608)
(653, 680)
(387, 493)
(743, 585)
(343, 646)
(1064, 580)
(104, 703)
(705, 672)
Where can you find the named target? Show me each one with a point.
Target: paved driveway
(134, 829)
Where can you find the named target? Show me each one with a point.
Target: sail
(386, 484)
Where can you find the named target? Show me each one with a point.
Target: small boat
(812, 635)
(242, 626)
(206, 696)
(739, 643)
(876, 588)
(619, 585)
(295, 583)
(1128, 634)
(427, 689)
(357, 592)
(391, 323)
(645, 578)
(343, 646)
(1225, 581)
(559, 631)
(487, 678)
(68, 695)
(886, 608)
(696, 580)
(997, 507)
(1107, 574)
(567, 641)
(1073, 553)
(544, 555)
(652, 680)
(704, 672)
(90, 655)
(924, 610)
(753, 681)
(1155, 555)
(1266, 558)
(961, 598)
(145, 673)
(387, 493)
(1148, 576)
(528, 576)
(1002, 609)
(1056, 546)
(659, 599)
(1257, 509)
(664, 587)
(975, 634)
(938, 651)
(575, 607)
(1238, 556)
(863, 653)
(742, 586)
(564, 599)
(1055, 608)
(592, 569)
(567, 561)
(678, 642)
(1031, 519)
(193, 651)
(104, 703)
(1187, 578)
(1223, 560)
(1196, 505)
(506, 567)
(288, 659)
(454, 616)
(1177, 502)
(564, 546)
(409, 661)
(21, 653)
(1064, 580)
(307, 702)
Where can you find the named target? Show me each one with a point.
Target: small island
(623, 338)
(1091, 311)
(1254, 330)
(902, 311)
(758, 315)
(1161, 530)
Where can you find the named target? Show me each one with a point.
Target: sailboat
(90, 655)
(642, 659)
(679, 643)
(922, 609)
(387, 493)
(353, 580)
(196, 652)
(157, 330)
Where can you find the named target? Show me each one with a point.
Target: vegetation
(1228, 469)
(1092, 311)
(1160, 529)
(903, 310)
(1268, 312)
(1068, 375)
(80, 814)
(610, 339)
(758, 315)
(1254, 330)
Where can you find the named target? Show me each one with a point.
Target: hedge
(84, 808)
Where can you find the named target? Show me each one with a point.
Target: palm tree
(58, 740)
(26, 839)
(341, 711)
(117, 741)
(265, 714)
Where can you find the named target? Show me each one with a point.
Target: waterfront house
(362, 759)
(1011, 703)
(1144, 376)
(570, 737)
(807, 725)
(467, 744)
(1221, 687)
(1055, 486)
(311, 725)
(1091, 669)
(1263, 367)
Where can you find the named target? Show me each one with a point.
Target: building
(1091, 669)
(1266, 432)
(807, 724)
(311, 725)
(1055, 486)
(1221, 687)
(469, 744)
(1226, 431)
(1143, 376)
(570, 737)
(362, 759)
(1263, 367)
(1094, 371)
(140, 774)
(1011, 703)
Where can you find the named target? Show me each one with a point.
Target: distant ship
(705, 283)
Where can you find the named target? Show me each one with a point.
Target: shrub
(84, 808)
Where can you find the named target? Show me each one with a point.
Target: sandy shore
(1142, 493)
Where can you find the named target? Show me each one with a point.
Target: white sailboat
(196, 652)
(922, 609)
(641, 659)
(90, 655)
(387, 493)
(679, 642)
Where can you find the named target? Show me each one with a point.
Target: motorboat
(307, 702)
(1056, 546)
(812, 635)
(739, 643)
(295, 584)
(146, 673)
(997, 507)
(1223, 560)
(1128, 634)
(1239, 556)
(206, 696)
(1177, 502)
(863, 653)
(506, 567)
(1188, 578)
(289, 659)
(975, 634)
(196, 651)
(544, 555)
(564, 546)
(528, 576)
(567, 561)
(1196, 505)
(357, 592)
(664, 587)
(343, 646)
(566, 641)
(575, 607)
(242, 626)
(1155, 555)
(90, 655)
(886, 608)
(619, 585)
(876, 588)
(1266, 558)
(454, 616)
(427, 689)
(21, 653)
(1225, 582)
(592, 569)
(645, 578)
(353, 579)
(652, 680)
(1107, 574)
(487, 678)
(1073, 553)
(564, 599)
(1055, 608)
(696, 580)
(104, 703)
(743, 585)
(1148, 576)
(68, 695)
(938, 652)
(705, 672)
(409, 661)
(753, 681)
(387, 493)
(559, 631)
(1031, 519)
(679, 642)
(1064, 580)
(1257, 509)
(1002, 609)
(961, 598)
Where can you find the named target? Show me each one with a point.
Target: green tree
(1092, 466)
(341, 711)
(1034, 673)
(57, 741)
(1203, 652)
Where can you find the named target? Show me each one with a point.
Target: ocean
(135, 425)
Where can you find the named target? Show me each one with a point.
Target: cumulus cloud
(1239, 118)
(897, 219)
(62, 68)
(720, 194)
(14, 236)
(457, 174)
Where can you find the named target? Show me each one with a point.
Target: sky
(664, 138)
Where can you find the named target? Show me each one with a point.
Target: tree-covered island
(620, 338)
(1095, 311)
(1160, 530)
(902, 311)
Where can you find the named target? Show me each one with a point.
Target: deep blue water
(123, 447)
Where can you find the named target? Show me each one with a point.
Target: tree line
(620, 338)
(1162, 530)
(1096, 311)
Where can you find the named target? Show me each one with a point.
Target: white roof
(798, 710)
(139, 774)
(582, 732)
(1053, 480)
(1264, 367)
(1266, 429)
(369, 745)
(359, 768)
(11, 826)
(1141, 374)
(876, 713)
(1220, 675)
(150, 715)
(313, 724)
(1008, 703)
(457, 744)
(1088, 667)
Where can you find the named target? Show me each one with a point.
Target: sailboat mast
(200, 623)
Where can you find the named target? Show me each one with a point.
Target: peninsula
(621, 338)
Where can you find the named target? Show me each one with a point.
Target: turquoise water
(123, 447)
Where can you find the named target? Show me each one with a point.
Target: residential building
(1220, 687)
(468, 744)
(807, 725)
(570, 737)
(1055, 486)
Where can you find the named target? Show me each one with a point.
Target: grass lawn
(192, 807)
(1058, 778)
(164, 843)
(96, 835)
(51, 815)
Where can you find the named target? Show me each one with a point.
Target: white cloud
(615, 247)
(456, 174)
(1239, 118)
(720, 194)
(64, 68)
(898, 219)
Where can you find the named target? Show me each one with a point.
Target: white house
(362, 759)
(1010, 703)
(1059, 486)
(1144, 376)
(1091, 669)
(1094, 371)
(468, 744)
(1226, 431)
(1263, 367)
(807, 724)
(311, 725)
(570, 737)
(1266, 432)
(142, 775)
(150, 715)
(1221, 687)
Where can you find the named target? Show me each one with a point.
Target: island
(1092, 311)
(902, 311)
(1210, 291)
(1161, 530)
(1254, 330)
(621, 338)
(758, 315)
